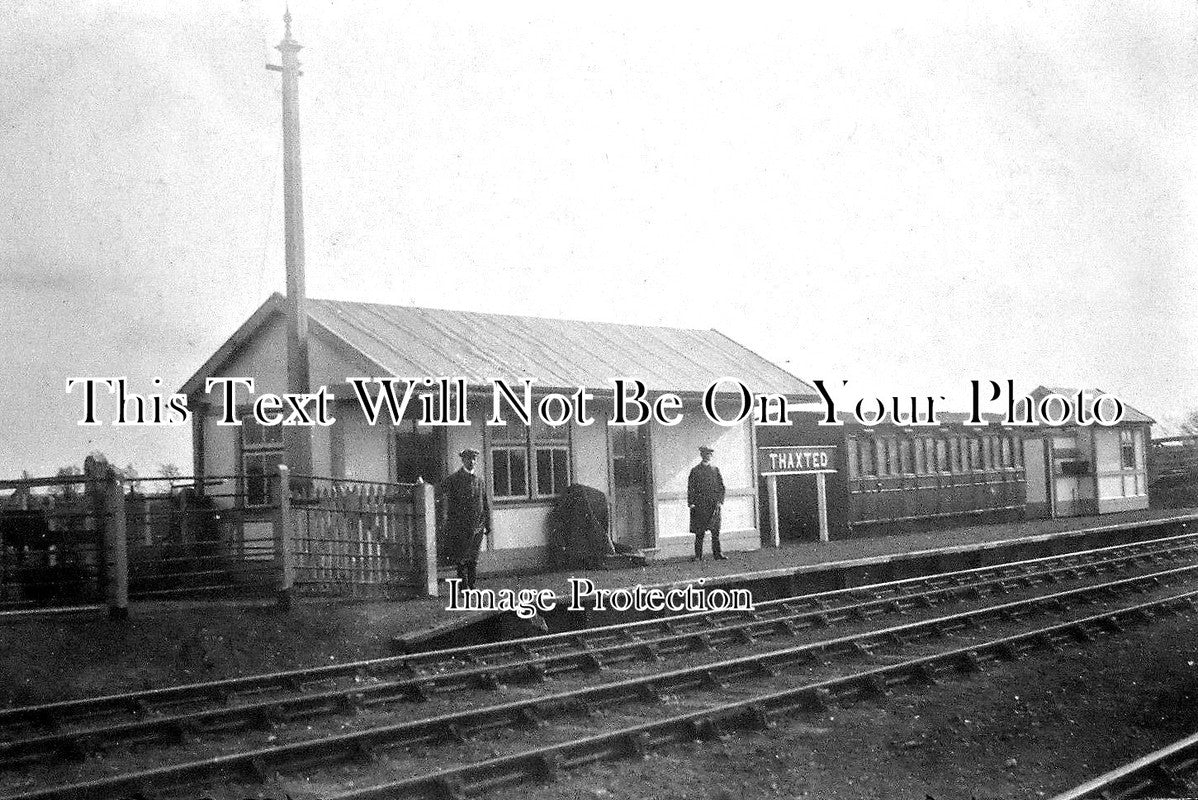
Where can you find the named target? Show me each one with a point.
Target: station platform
(792, 558)
(799, 554)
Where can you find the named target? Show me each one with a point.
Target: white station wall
(676, 451)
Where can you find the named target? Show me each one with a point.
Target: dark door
(418, 453)
(798, 508)
(631, 520)
(419, 456)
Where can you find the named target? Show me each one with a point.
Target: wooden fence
(356, 539)
(103, 539)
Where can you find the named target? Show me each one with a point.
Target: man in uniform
(704, 496)
(467, 516)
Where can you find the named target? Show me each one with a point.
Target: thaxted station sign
(795, 460)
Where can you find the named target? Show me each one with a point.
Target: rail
(759, 709)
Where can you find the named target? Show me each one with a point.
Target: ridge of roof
(505, 315)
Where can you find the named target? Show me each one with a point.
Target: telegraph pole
(297, 439)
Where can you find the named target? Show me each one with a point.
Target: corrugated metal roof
(563, 354)
(1130, 414)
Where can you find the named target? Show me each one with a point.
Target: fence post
(424, 538)
(283, 535)
(116, 550)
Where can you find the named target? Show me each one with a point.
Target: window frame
(536, 439)
(259, 450)
(866, 457)
(1127, 439)
(943, 459)
(906, 456)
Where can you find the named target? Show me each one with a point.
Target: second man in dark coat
(704, 496)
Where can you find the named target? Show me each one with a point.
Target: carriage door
(630, 518)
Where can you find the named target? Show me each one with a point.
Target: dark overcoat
(467, 515)
(704, 494)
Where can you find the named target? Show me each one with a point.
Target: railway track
(1171, 771)
(825, 607)
(71, 727)
(821, 670)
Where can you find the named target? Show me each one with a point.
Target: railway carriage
(895, 478)
(907, 477)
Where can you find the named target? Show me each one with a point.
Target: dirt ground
(46, 661)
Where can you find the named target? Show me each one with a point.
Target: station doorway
(798, 508)
(631, 509)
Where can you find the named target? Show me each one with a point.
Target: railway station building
(642, 469)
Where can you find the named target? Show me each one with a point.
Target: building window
(551, 448)
(1127, 449)
(515, 447)
(261, 454)
(509, 471)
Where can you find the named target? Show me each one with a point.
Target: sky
(906, 196)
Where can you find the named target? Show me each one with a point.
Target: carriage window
(892, 457)
(942, 455)
(867, 456)
(906, 464)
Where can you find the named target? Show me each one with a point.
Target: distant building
(1077, 470)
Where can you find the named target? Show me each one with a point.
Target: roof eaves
(243, 334)
(811, 393)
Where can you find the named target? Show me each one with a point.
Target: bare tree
(66, 490)
(1190, 424)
